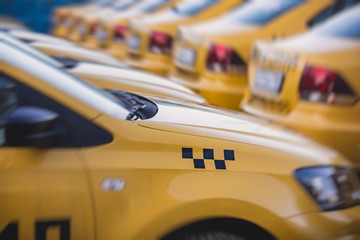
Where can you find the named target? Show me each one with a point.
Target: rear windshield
(150, 6)
(332, 10)
(345, 24)
(192, 7)
(123, 5)
(261, 11)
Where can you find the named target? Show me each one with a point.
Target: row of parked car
(94, 148)
(306, 82)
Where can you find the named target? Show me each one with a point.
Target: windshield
(345, 24)
(26, 48)
(149, 6)
(192, 7)
(123, 5)
(261, 11)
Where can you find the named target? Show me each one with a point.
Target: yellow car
(105, 71)
(7, 23)
(66, 18)
(149, 39)
(78, 162)
(60, 21)
(211, 58)
(87, 23)
(111, 30)
(311, 83)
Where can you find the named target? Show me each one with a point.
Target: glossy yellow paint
(227, 89)
(107, 24)
(162, 190)
(166, 22)
(335, 125)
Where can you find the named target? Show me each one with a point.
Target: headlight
(332, 187)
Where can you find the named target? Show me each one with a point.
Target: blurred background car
(110, 32)
(7, 23)
(211, 57)
(105, 71)
(150, 39)
(88, 23)
(70, 18)
(310, 83)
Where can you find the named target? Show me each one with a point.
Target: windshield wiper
(139, 107)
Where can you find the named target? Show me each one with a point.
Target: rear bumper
(60, 31)
(154, 66)
(219, 91)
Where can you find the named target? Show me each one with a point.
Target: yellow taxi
(311, 83)
(111, 30)
(8, 23)
(211, 57)
(78, 162)
(105, 71)
(150, 38)
(88, 23)
(60, 18)
(65, 19)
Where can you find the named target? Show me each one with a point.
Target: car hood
(128, 79)
(215, 28)
(29, 36)
(232, 126)
(316, 44)
(167, 17)
(221, 26)
(76, 52)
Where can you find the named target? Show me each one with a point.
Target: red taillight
(160, 43)
(62, 18)
(120, 33)
(93, 27)
(222, 59)
(323, 85)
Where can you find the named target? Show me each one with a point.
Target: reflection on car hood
(164, 17)
(214, 123)
(128, 79)
(221, 26)
(29, 36)
(311, 43)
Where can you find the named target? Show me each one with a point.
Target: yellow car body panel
(107, 42)
(227, 89)
(335, 125)
(142, 183)
(166, 22)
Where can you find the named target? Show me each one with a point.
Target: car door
(44, 191)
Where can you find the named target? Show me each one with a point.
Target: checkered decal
(208, 154)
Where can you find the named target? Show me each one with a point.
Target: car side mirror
(31, 126)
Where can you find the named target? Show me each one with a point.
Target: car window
(123, 5)
(8, 102)
(192, 7)
(345, 24)
(149, 6)
(261, 11)
(332, 10)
